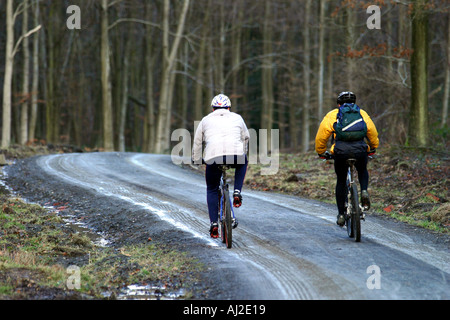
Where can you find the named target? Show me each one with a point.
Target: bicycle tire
(222, 217)
(349, 215)
(349, 224)
(356, 218)
(222, 231)
(227, 222)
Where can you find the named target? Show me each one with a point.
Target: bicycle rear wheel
(356, 217)
(349, 215)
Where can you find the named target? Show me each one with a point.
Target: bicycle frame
(351, 168)
(350, 180)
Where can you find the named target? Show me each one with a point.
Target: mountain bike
(227, 219)
(355, 212)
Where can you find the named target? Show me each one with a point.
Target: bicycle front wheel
(356, 214)
(349, 225)
(227, 223)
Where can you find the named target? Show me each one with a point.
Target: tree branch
(133, 20)
(26, 35)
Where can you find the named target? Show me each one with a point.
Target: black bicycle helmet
(346, 97)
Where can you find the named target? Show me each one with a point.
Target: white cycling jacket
(223, 132)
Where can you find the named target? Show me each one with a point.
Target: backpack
(350, 125)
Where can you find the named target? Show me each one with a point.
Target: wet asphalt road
(284, 247)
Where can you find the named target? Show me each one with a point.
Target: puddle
(4, 189)
(148, 292)
(77, 226)
(81, 228)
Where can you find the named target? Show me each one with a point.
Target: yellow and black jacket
(326, 130)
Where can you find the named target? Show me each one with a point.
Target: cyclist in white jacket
(226, 142)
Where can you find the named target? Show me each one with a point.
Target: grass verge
(38, 253)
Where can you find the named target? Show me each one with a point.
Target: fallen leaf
(433, 197)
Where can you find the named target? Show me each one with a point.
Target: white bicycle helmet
(221, 101)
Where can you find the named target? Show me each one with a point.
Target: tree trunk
(183, 94)
(7, 84)
(236, 53)
(107, 112)
(200, 77)
(320, 86)
(351, 39)
(50, 121)
(25, 79)
(124, 97)
(219, 80)
(293, 90)
(447, 81)
(35, 81)
(306, 80)
(266, 80)
(418, 119)
(165, 108)
(149, 124)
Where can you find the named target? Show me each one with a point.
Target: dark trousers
(213, 174)
(341, 169)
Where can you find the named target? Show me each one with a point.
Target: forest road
(284, 248)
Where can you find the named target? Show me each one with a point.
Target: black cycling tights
(341, 169)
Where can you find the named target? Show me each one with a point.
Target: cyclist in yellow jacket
(342, 150)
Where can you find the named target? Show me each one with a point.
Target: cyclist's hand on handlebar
(326, 155)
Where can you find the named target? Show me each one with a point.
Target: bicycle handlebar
(328, 156)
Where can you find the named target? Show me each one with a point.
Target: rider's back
(223, 132)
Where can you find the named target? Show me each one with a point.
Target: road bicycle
(227, 219)
(355, 211)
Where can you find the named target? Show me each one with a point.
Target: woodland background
(136, 70)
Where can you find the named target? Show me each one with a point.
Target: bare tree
(306, 80)
(418, 131)
(25, 78)
(321, 58)
(149, 123)
(267, 66)
(447, 80)
(200, 76)
(10, 52)
(9, 65)
(35, 81)
(107, 112)
(169, 55)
